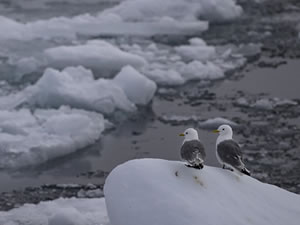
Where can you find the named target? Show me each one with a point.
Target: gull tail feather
(246, 171)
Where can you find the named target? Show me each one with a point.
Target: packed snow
(59, 212)
(154, 191)
(30, 138)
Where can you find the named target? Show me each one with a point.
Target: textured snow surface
(58, 212)
(28, 138)
(148, 192)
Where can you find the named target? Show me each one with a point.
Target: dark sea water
(146, 135)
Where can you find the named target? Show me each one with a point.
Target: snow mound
(99, 56)
(138, 88)
(153, 191)
(214, 123)
(180, 10)
(58, 212)
(33, 138)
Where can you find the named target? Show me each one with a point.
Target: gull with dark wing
(192, 150)
(228, 151)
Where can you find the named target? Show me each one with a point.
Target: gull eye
(223, 129)
(186, 132)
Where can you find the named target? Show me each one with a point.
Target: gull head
(190, 134)
(224, 130)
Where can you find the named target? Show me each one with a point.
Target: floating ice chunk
(76, 87)
(106, 24)
(26, 66)
(166, 77)
(179, 118)
(197, 42)
(97, 193)
(188, 196)
(45, 29)
(242, 102)
(263, 104)
(197, 70)
(11, 29)
(284, 102)
(249, 50)
(59, 212)
(138, 88)
(199, 51)
(100, 56)
(215, 123)
(181, 10)
(33, 138)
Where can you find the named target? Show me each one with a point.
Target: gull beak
(216, 131)
(182, 135)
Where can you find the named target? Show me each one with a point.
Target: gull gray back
(193, 152)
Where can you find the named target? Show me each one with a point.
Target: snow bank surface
(148, 192)
(28, 138)
(59, 212)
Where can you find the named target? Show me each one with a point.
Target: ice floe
(77, 87)
(214, 123)
(30, 138)
(181, 10)
(138, 88)
(59, 212)
(99, 56)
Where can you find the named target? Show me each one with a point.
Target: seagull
(192, 150)
(228, 151)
